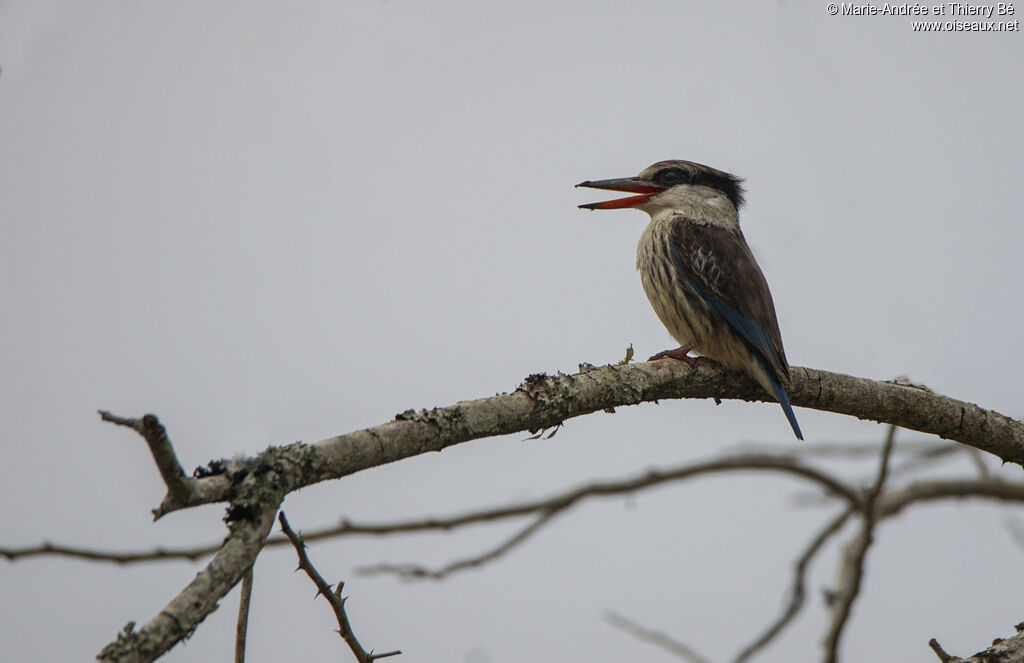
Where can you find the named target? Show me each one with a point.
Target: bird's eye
(670, 177)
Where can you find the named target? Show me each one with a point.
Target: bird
(699, 274)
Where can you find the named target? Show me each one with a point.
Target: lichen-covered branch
(1003, 650)
(544, 401)
(182, 491)
(255, 500)
(255, 486)
(182, 615)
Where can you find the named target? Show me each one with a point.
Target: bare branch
(554, 504)
(183, 614)
(979, 462)
(242, 627)
(411, 571)
(846, 450)
(540, 402)
(546, 401)
(851, 572)
(924, 458)
(256, 485)
(333, 596)
(182, 491)
(892, 502)
(664, 641)
(250, 517)
(889, 504)
(548, 508)
(1003, 650)
(117, 557)
(151, 430)
(798, 592)
(941, 653)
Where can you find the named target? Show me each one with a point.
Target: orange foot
(678, 353)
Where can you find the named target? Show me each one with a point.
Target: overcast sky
(270, 222)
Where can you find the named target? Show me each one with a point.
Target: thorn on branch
(333, 596)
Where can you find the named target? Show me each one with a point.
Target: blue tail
(783, 399)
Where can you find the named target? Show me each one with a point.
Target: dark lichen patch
(532, 381)
(211, 469)
(237, 511)
(542, 388)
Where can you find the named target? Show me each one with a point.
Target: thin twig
(411, 571)
(979, 462)
(798, 592)
(554, 505)
(852, 570)
(244, 599)
(927, 457)
(151, 430)
(180, 617)
(182, 491)
(664, 641)
(333, 597)
(889, 504)
(117, 557)
(939, 651)
(846, 450)
(894, 500)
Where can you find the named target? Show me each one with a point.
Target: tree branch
(663, 640)
(416, 571)
(1008, 650)
(183, 614)
(851, 571)
(255, 486)
(550, 507)
(333, 597)
(545, 401)
(242, 626)
(181, 490)
(890, 503)
(255, 499)
(798, 592)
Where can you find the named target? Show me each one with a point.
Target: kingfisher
(699, 274)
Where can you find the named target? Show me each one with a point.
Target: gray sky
(270, 222)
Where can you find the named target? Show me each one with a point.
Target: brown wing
(717, 265)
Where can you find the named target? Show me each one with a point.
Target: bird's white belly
(668, 309)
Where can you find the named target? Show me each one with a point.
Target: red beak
(631, 184)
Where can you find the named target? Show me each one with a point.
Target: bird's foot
(678, 353)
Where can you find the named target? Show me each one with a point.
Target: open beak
(631, 184)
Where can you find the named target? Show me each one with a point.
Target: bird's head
(671, 185)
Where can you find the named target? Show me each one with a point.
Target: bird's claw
(678, 353)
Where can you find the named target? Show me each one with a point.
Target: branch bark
(182, 615)
(544, 401)
(333, 597)
(1008, 650)
(256, 486)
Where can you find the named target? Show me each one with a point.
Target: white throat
(699, 204)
